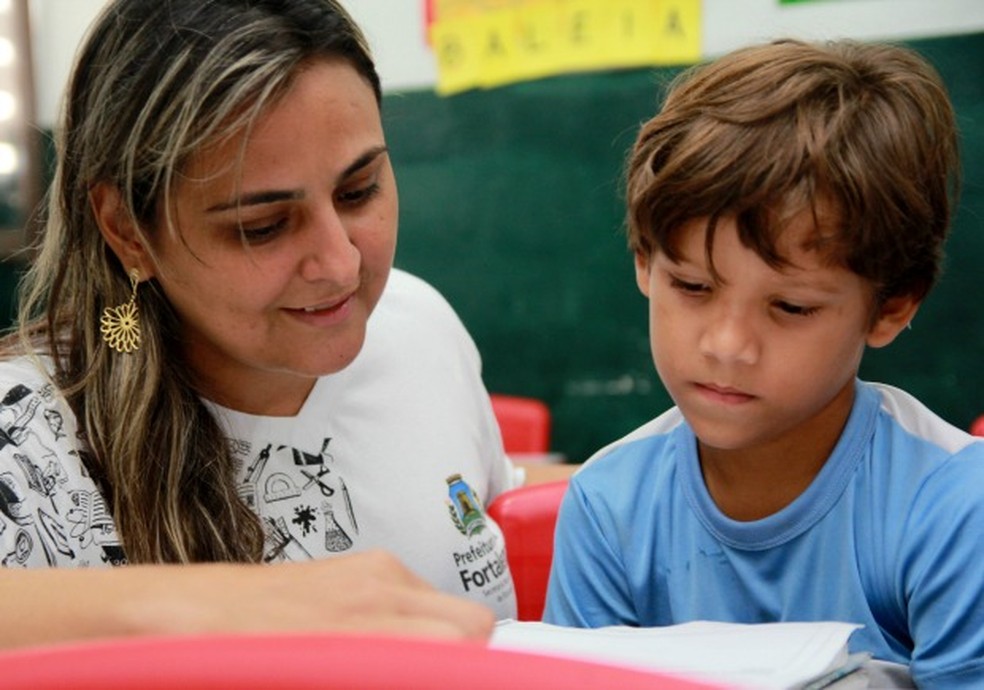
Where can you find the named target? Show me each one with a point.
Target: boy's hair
(861, 135)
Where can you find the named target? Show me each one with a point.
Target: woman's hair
(861, 135)
(156, 80)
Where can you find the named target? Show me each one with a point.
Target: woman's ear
(895, 314)
(118, 229)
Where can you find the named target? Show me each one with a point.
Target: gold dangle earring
(120, 326)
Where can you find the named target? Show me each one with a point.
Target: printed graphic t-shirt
(398, 451)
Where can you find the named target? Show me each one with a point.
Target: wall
(510, 204)
(523, 202)
(395, 30)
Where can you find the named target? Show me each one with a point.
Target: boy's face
(764, 356)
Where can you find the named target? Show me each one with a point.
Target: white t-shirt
(398, 451)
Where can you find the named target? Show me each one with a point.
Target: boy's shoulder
(910, 417)
(637, 447)
(921, 464)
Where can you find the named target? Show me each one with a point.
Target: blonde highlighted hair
(155, 82)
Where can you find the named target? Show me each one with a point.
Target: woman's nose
(329, 250)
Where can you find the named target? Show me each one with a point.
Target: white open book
(767, 656)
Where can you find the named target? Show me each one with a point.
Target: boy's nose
(730, 338)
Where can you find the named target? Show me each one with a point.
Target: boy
(787, 208)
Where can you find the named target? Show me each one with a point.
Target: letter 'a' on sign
(483, 44)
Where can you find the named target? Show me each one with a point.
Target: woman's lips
(325, 313)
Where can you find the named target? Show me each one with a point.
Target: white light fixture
(9, 160)
(8, 53)
(8, 105)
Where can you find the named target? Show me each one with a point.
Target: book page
(774, 656)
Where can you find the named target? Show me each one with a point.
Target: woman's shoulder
(408, 290)
(24, 370)
(411, 309)
(43, 480)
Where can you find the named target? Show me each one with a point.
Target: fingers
(388, 595)
(366, 593)
(461, 618)
(409, 625)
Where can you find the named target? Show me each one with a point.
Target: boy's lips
(723, 393)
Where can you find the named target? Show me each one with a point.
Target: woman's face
(278, 262)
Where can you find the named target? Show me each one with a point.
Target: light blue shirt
(890, 535)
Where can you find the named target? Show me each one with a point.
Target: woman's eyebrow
(274, 195)
(363, 160)
(257, 199)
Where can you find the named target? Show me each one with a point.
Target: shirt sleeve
(942, 575)
(33, 532)
(588, 586)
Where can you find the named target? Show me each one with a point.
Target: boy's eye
(796, 309)
(688, 287)
(358, 196)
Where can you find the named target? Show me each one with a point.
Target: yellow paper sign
(487, 43)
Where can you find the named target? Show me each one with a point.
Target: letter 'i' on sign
(481, 43)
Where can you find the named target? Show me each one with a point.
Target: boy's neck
(748, 487)
(752, 483)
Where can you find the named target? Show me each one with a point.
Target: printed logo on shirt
(482, 567)
(465, 507)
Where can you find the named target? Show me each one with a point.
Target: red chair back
(524, 422)
(977, 428)
(527, 516)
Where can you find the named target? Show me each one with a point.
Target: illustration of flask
(335, 537)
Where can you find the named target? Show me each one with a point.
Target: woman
(197, 378)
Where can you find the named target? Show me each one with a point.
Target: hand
(368, 592)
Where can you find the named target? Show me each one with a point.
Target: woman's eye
(263, 233)
(688, 287)
(796, 309)
(358, 196)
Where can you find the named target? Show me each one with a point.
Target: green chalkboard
(511, 205)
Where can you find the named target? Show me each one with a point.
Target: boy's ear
(895, 314)
(118, 229)
(642, 266)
